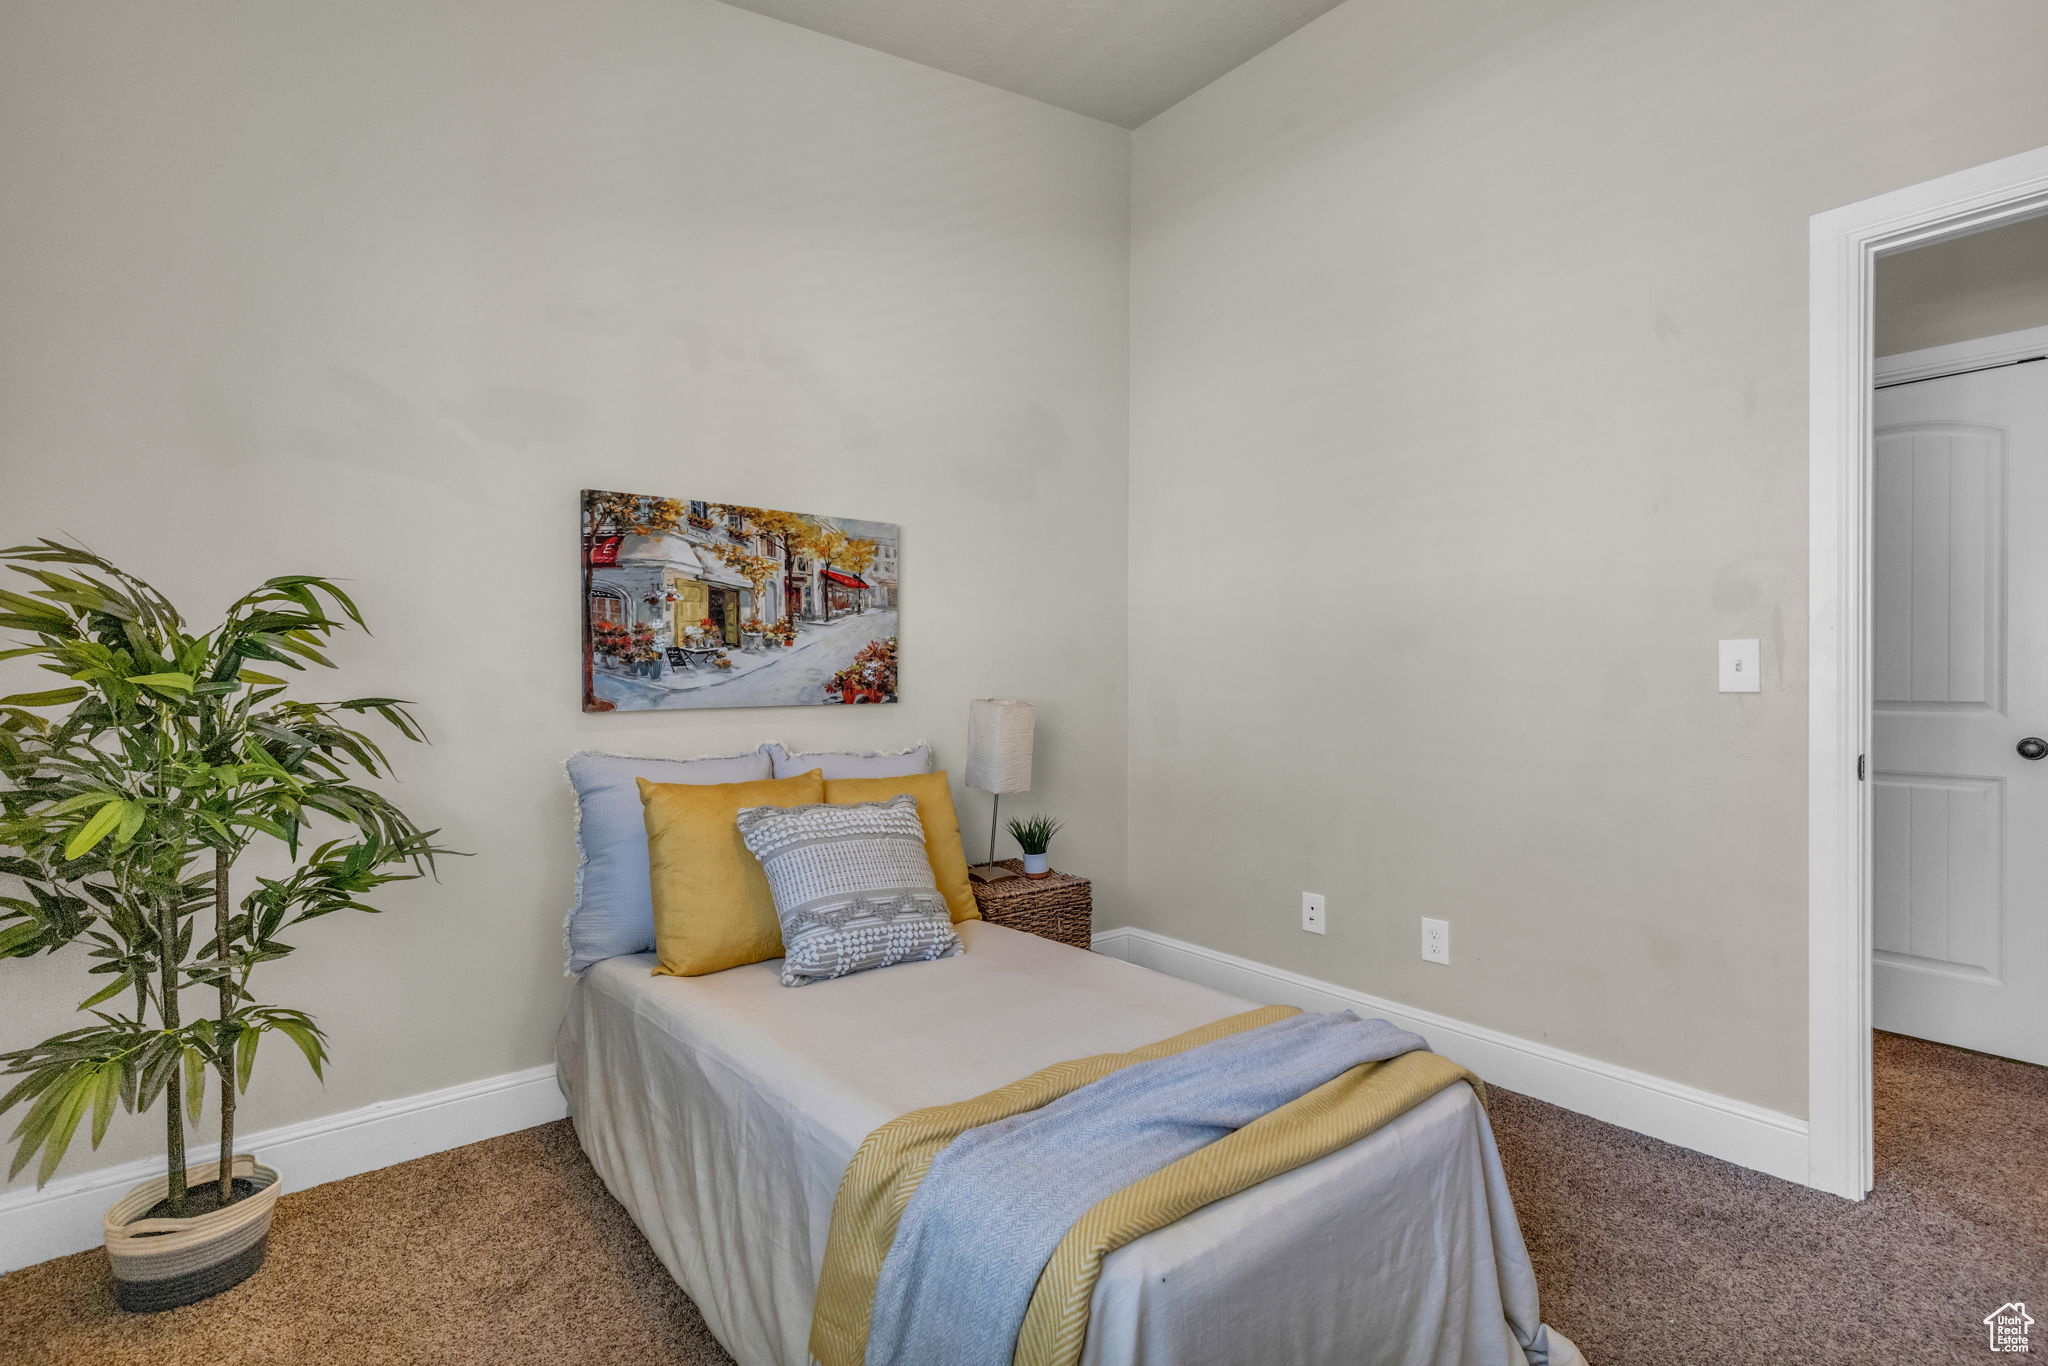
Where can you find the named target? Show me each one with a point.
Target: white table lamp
(999, 733)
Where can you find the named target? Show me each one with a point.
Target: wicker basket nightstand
(1059, 906)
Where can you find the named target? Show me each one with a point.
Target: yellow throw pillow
(712, 907)
(941, 829)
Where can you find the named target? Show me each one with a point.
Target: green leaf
(80, 803)
(19, 604)
(105, 993)
(15, 936)
(51, 1121)
(54, 697)
(195, 1082)
(251, 676)
(157, 1068)
(164, 682)
(131, 822)
(245, 1057)
(28, 1136)
(28, 1088)
(98, 828)
(103, 1098)
(63, 1126)
(308, 1042)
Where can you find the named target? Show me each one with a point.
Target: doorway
(725, 613)
(1845, 245)
(1959, 689)
(692, 607)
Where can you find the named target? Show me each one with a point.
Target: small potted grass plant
(127, 796)
(1033, 834)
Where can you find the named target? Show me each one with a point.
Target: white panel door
(1960, 660)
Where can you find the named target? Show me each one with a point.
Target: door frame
(1844, 247)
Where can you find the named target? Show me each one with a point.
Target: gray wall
(1466, 349)
(372, 289)
(1469, 411)
(1976, 286)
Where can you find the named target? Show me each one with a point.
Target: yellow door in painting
(693, 604)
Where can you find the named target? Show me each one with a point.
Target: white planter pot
(1035, 865)
(164, 1263)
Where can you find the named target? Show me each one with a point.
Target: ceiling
(1118, 60)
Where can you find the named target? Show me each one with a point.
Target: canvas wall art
(699, 604)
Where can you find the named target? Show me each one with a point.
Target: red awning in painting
(605, 549)
(845, 580)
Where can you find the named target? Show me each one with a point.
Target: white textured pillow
(614, 910)
(853, 887)
(846, 764)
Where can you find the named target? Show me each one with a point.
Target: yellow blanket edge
(892, 1160)
(1334, 1115)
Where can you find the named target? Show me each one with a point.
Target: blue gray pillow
(614, 910)
(853, 887)
(848, 764)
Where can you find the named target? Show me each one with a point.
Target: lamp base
(991, 872)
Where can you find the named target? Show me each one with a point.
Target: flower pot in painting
(1036, 866)
(162, 1263)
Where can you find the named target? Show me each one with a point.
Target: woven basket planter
(1058, 906)
(163, 1263)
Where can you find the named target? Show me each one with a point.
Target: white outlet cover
(1436, 940)
(1312, 912)
(1741, 666)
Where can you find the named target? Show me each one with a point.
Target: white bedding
(722, 1110)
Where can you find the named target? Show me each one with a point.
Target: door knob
(2033, 747)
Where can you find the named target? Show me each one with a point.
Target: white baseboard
(65, 1216)
(1732, 1130)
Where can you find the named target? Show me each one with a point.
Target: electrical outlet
(1436, 940)
(1312, 912)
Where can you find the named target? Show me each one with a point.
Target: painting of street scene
(699, 604)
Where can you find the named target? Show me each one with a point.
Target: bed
(721, 1111)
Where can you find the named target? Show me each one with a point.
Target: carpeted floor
(510, 1252)
(504, 1253)
(1652, 1254)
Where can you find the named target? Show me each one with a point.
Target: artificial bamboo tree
(128, 795)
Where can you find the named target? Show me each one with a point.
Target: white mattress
(722, 1110)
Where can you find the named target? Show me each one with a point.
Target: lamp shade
(999, 744)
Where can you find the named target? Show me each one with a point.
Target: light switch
(1741, 666)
